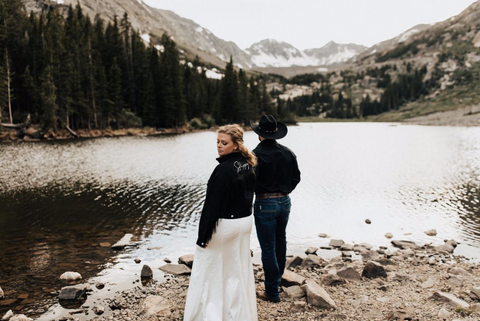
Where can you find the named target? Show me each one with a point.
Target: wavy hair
(235, 132)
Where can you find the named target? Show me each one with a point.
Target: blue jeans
(271, 218)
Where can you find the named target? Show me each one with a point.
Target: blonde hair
(235, 132)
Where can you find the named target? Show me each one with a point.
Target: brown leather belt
(269, 195)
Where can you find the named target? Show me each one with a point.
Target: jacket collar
(223, 158)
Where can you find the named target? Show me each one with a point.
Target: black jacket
(229, 194)
(277, 170)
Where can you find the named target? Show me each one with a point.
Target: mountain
(273, 53)
(152, 23)
(334, 53)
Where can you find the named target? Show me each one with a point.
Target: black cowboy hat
(269, 128)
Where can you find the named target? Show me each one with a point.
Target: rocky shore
(403, 282)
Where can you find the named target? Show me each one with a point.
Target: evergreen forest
(67, 71)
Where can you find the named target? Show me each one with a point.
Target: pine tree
(48, 101)
(115, 97)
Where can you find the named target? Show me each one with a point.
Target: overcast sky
(311, 23)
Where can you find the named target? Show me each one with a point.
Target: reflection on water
(59, 201)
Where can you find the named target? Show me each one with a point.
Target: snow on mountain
(274, 53)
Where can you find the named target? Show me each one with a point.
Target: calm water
(59, 201)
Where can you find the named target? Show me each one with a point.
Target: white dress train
(222, 285)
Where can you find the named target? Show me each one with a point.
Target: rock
(323, 235)
(99, 285)
(298, 306)
(346, 247)
(147, 272)
(311, 250)
(455, 281)
(406, 245)
(339, 316)
(450, 299)
(317, 296)
(333, 280)
(154, 305)
(70, 276)
(124, 241)
(293, 262)
(186, 259)
(431, 232)
(451, 243)
(336, 243)
(349, 274)
(475, 293)
(432, 261)
(312, 261)
(105, 244)
(388, 235)
(370, 256)
(73, 292)
(118, 303)
(290, 278)
(386, 262)
(98, 310)
(374, 270)
(2, 295)
(398, 315)
(167, 260)
(176, 269)
(444, 248)
(428, 284)
(295, 292)
(137, 261)
(460, 271)
(368, 221)
(475, 307)
(443, 314)
(20, 317)
(8, 315)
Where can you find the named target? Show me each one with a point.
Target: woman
(222, 286)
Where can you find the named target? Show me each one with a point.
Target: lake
(60, 202)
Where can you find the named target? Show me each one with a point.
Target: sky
(311, 23)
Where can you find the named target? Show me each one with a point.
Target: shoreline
(407, 280)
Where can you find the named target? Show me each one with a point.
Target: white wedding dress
(222, 285)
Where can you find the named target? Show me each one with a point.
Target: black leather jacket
(229, 194)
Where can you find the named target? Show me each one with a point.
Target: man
(277, 176)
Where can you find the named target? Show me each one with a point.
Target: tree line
(68, 71)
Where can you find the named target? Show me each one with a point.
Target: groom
(277, 175)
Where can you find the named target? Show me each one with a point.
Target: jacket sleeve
(214, 204)
(295, 173)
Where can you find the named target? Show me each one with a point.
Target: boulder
(293, 262)
(295, 292)
(98, 310)
(176, 269)
(374, 270)
(317, 296)
(20, 317)
(333, 280)
(290, 278)
(147, 272)
(70, 276)
(406, 245)
(449, 299)
(336, 243)
(431, 232)
(475, 293)
(443, 314)
(311, 250)
(73, 292)
(124, 241)
(349, 274)
(312, 261)
(186, 259)
(8, 315)
(154, 305)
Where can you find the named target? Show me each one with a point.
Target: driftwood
(21, 127)
(74, 134)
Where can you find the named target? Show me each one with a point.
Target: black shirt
(229, 194)
(277, 170)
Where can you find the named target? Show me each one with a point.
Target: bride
(222, 285)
